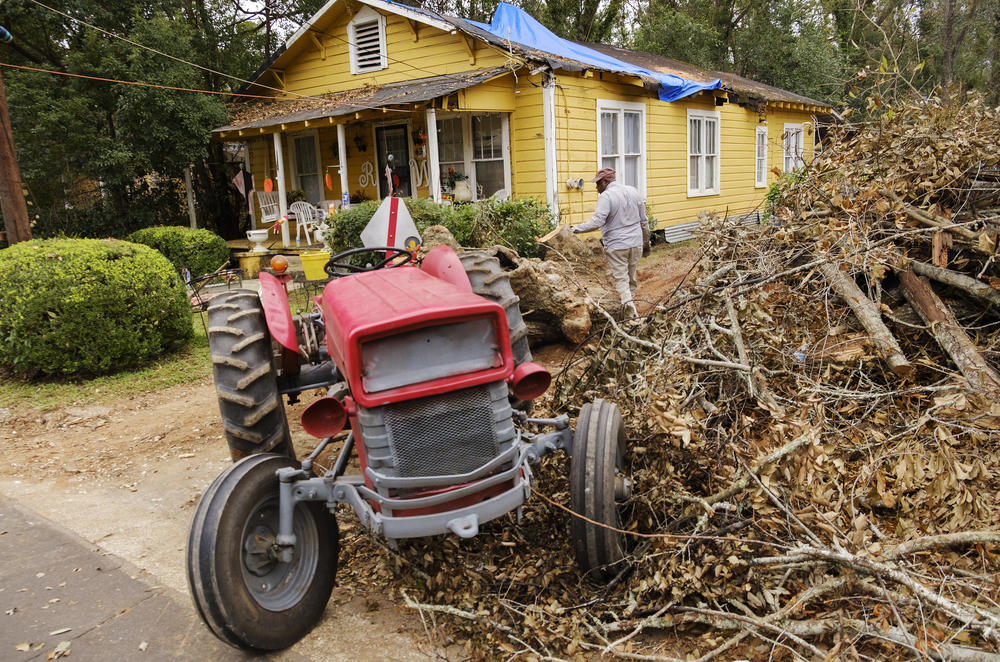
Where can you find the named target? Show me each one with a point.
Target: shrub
(88, 306)
(200, 251)
(513, 223)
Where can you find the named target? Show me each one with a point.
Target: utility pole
(15, 211)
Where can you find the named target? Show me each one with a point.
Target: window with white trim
(760, 159)
(793, 146)
(306, 165)
(703, 152)
(621, 141)
(366, 42)
(477, 146)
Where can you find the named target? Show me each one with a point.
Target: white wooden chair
(306, 218)
(270, 210)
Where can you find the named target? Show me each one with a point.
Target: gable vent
(367, 36)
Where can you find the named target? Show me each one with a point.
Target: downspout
(433, 167)
(279, 162)
(549, 128)
(345, 191)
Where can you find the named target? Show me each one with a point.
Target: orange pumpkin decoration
(279, 263)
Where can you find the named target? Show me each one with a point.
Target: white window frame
(611, 105)
(790, 160)
(366, 15)
(702, 190)
(760, 158)
(467, 153)
(314, 134)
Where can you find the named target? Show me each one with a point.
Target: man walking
(621, 216)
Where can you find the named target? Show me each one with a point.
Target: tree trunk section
(965, 283)
(869, 316)
(15, 211)
(949, 335)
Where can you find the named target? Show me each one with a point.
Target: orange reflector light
(324, 417)
(279, 263)
(529, 381)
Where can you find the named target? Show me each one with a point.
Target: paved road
(55, 587)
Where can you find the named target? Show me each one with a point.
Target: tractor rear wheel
(489, 280)
(244, 592)
(253, 413)
(596, 486)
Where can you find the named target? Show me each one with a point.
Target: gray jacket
(621, 216)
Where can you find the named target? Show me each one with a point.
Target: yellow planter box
(313, 263)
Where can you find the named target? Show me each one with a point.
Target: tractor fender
(278, 315)
(442, 262)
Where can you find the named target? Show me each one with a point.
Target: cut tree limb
(869, 316)
(965, 283)
(948, 333)
(941, 243)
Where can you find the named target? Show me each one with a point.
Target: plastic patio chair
(306, 219)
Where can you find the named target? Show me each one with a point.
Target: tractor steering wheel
(391, 253)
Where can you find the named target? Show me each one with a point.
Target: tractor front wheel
(253, 414)
(244, 592)
(597, 486)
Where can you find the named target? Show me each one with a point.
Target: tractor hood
(400, 302)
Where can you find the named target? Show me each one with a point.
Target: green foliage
(87, 306)
(513, 223)
(785, 43)
(201, 251)
(778, 191)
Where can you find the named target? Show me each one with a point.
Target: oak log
(868, 314)
(949, 335)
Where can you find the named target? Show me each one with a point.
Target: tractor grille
(442, 435)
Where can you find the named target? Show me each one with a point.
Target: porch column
(433, 169)
(345, 190)
(549, 128)
(279, 174)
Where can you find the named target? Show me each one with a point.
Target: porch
(443, 138)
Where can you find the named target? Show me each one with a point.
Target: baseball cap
(604, 174)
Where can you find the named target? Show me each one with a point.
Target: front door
(393, 150)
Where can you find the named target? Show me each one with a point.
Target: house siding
(666, 149)
(433, 53)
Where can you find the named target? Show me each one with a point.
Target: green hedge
(201, 251)
(88, 306)
(513, 223)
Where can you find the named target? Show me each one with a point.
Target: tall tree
(785, 43)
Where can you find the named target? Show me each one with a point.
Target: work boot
(629, 311)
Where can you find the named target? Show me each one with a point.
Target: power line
(167, 55)
(140, 84)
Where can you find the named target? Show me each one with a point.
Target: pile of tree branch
(814, 433)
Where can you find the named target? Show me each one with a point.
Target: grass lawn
(187, 365)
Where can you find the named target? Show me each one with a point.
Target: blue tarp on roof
(512, 23)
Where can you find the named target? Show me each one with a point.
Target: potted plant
(458, 183)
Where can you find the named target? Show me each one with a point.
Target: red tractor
(427, 375)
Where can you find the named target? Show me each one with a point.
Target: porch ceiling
(262, 115)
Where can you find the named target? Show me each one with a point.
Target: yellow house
(370, 94)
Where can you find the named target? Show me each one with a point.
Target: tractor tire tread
(490, 281)
(245, 380)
